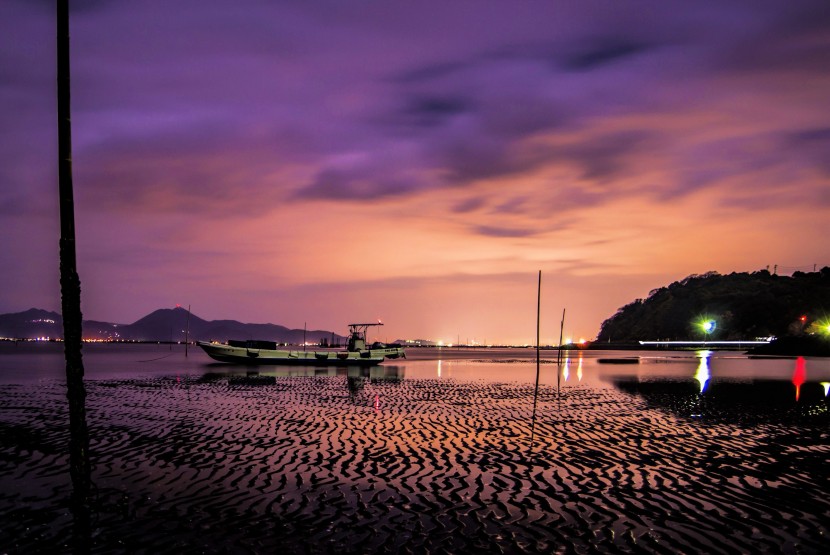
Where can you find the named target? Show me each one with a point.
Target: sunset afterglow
(329, 162)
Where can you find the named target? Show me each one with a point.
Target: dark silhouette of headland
(733, 307)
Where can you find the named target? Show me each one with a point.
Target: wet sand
(356, 465)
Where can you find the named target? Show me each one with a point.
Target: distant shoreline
(787, 347)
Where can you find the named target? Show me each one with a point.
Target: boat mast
(358, 332)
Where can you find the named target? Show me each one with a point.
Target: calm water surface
(676, 380)
(27, 362)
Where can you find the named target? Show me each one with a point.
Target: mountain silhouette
(166, 324)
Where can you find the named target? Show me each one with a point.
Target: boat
(253, 351)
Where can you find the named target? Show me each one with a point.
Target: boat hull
(242, 355)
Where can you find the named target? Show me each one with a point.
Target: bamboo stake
(79, 467)
(559, 354)
(187, 332)
(536, 388)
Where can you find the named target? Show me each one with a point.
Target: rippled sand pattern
(336, 464)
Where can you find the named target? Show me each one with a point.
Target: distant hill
(740, 305)
(167, 324)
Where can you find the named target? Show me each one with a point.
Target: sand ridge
(357, 465)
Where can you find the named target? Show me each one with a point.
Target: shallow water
(33, 361)
(678, 452)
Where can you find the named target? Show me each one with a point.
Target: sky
(322, 162)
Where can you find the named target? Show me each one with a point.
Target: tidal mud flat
(257, 464)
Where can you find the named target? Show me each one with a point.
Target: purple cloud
(495, 231)
(498, 120)
(603, 53)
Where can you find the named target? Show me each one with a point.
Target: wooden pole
(536, 388)
(187, 332)
(79, 467)
(559, 353)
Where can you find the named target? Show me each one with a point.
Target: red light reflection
(799, 376)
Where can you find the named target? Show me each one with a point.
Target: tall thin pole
(559, 353)
(187, 332)
(536, 388)
(79, 468)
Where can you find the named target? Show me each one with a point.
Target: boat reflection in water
(357, 377)
(387, 373)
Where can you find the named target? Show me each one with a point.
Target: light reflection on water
(33, 362)
(702, 375)
(799, 376)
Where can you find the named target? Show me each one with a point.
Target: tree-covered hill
(739, 306)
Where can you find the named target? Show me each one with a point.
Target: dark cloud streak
(603, 53)
(504, 232)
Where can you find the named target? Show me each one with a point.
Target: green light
(820, 327)
(705, 324)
